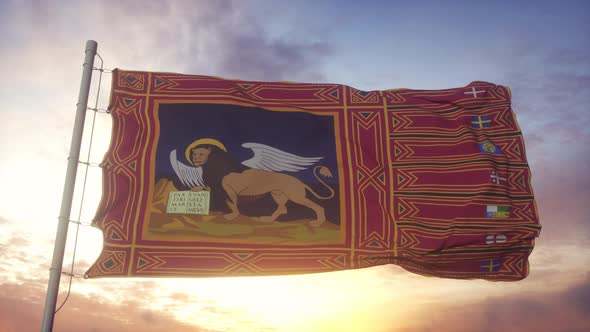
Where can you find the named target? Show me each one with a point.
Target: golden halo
(202, 141)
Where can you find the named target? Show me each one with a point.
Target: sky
(540, 49)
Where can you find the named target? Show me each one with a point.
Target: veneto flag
(213, 177)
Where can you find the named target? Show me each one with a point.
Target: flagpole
(68, 193)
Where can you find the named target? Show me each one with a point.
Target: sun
(315, 302)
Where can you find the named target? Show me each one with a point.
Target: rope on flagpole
(99, 110)
(81, 223)
(102, 70)
(88, 164)
(69, 187)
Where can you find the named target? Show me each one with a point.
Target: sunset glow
(540, 49)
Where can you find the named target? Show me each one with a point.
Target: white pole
(68, 194)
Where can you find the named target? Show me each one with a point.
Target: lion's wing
(272, 159)
(188, 175)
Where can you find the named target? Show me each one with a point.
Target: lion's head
(197, 153)
(200, 155)
(212, 156)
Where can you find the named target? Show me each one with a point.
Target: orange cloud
(553, 311)
(21, 308)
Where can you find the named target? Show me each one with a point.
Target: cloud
(21, 309)
(550, 99)
(38, 102)
(197, 37)
(18, 241)
(217, 38)
(550, 84)
(551, 311)
(579, 297)
(180, 297)
(221, 38)
(562, 190)
(550, 93)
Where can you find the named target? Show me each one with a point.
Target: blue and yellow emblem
(492, 265)
(489, 147)
(481, 121)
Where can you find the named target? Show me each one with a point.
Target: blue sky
(540, 49)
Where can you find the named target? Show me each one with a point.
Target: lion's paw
(231, 216)
(316, 223)
(266, 219)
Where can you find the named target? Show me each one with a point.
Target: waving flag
(213, 177)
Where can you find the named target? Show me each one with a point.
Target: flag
(481, 121)
(494, 211)
(207, 177)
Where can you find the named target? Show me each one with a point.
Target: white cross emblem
(496, 179)
(474, 92)
(496, 238)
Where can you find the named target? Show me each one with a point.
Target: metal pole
(68, 194)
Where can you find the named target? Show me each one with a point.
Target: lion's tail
(324, 171)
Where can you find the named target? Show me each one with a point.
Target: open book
(188, 202)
